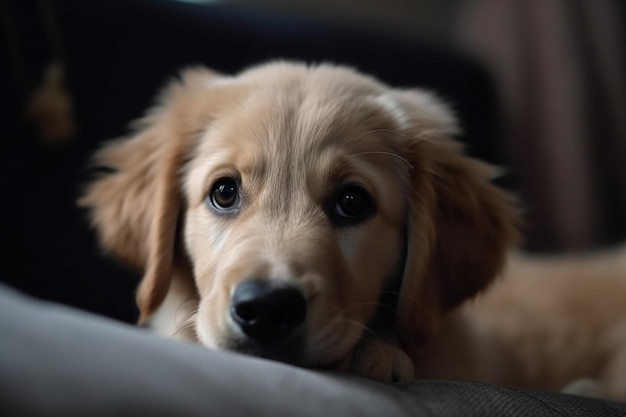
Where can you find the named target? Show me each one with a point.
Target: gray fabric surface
(55, 361)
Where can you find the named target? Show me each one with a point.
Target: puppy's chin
(290, 352)
(293, 351)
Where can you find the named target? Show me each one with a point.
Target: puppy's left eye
(225, 195)
(352, 205)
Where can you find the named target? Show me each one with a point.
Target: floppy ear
(135, 207)
(460, 226)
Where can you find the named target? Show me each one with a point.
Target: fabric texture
(56, 361)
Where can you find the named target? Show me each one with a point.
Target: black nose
(266, 311)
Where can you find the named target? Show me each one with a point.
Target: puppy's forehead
(306, 113)
(299, 125)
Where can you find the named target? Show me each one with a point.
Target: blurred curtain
(560, 69)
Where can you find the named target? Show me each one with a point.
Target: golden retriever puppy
(315, 216)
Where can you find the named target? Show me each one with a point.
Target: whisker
(404, 296)
(337, 338)
(181, 329)
(354, 306)
(428, 132)
(327, 338)
(422, 135)
(329, 328)
(415, 302)
(342, 319)
(187, 322)
(362, 326)
(361, 136)
(322, 345)
(395, 155)
(188, 327)
(184, 327)
(185, 302)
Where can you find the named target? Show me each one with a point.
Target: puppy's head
(295, 196)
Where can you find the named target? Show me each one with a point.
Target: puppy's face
(296, 195)
(295, 219)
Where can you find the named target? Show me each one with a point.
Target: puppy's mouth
(290, 351)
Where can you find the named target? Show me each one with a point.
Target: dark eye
(352, 205)
(225, 194)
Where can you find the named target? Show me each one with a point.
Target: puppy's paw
(583, 386)
(377, 359)
(609, 389)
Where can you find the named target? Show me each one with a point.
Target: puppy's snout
(267, 312)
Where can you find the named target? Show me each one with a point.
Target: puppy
(315, 216)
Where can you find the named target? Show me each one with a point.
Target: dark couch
(118, 54)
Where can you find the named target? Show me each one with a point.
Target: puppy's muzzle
(267, 312)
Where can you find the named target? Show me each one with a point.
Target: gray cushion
(56, 361)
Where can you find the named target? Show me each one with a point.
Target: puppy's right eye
(225, 195)
(350, 205)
